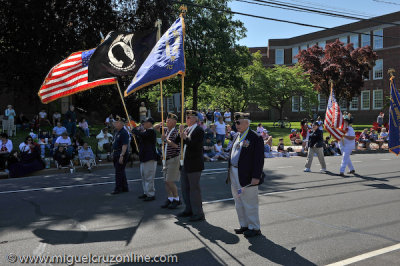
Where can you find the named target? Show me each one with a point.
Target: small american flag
(69, 77)
(334, 122)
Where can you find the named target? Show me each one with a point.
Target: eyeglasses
(237, 122)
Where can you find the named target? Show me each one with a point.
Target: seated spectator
(209, 150)
(22, 122)
(83, 125)
(62, 157)
(210, 133)
(384, 135)
(65, 140)
(43, 118)
(281, 148)
(77, 141)
(295, 137)
(335, 147)
(56, 118)
(58, 130)
(268, 148)
(45, 141)
(30, 154)
(365, 139)
(6, 147)
(104, 140)
(373, 136)
(18, 166)
(109, 121)
(219, 151)
(260, 129)
(378, 139)
(86, 156)
(35, 123)
(265, 134)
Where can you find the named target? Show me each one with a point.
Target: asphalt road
(306, 218)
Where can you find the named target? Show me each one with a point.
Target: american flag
(334, 122)
(69, 77)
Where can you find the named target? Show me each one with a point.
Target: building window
(365, 100)
(343, 39)
(322, 44)
(302, 104)
(354, 40)
(295, 51)
(279, 56)
(378, 69)
(295, 103)
(354, 103)
(343, 104)
(378, 40)
(365, 39)
(303, 47)
(377, 99)
(322, 102)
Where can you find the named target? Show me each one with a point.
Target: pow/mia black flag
(121, 54)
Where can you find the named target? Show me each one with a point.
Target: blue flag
(394, 119)
(166, 60)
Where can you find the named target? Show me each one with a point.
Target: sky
(259, 30)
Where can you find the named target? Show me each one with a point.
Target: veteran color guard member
(147, 157)
(120, 156)
(191, 167)
(171, 161)
(245, 173)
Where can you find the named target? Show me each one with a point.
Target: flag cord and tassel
(127, 115)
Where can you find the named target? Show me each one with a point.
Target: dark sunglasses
(237, 122)
(30, 139)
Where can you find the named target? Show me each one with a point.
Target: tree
(274, 87)
(345, 66)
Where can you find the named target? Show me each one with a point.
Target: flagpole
(127, 115)
(182, 112)
(162, 126)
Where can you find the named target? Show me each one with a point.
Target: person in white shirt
(43, 118)
(260, 129)
(5, 150)
(104, 139)
(64, 140)
(347, 144)
(56, 117)
(58, 130)
(220, 128)
(227, 116)
(219, 152)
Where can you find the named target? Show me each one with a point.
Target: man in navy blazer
(245, 173)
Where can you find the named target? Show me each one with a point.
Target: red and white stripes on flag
(69, 77)
(334, 122)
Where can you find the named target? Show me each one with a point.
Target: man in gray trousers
(191, 167)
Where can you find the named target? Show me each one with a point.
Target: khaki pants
(148, 172)
(246, 203)
(310, 156)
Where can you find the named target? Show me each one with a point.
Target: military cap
(173, 116)
(240, 115)
(191, 113)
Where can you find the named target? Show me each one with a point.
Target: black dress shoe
(185, 214)
(241, 230)
(149, 198)
(341, 174)
(252, 233)
(142, 196)
(352, 172)
(197, 218)
(166, 204)
(125, 190)
(174, 204)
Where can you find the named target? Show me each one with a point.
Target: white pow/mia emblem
(120, 53)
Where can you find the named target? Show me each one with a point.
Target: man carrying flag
(339, 127)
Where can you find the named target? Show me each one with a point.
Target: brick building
(374, 95)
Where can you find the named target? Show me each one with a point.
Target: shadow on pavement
(276, 253)
(62, 237)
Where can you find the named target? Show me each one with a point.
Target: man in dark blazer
(147, 157)
(245, 173)
(191, 167)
